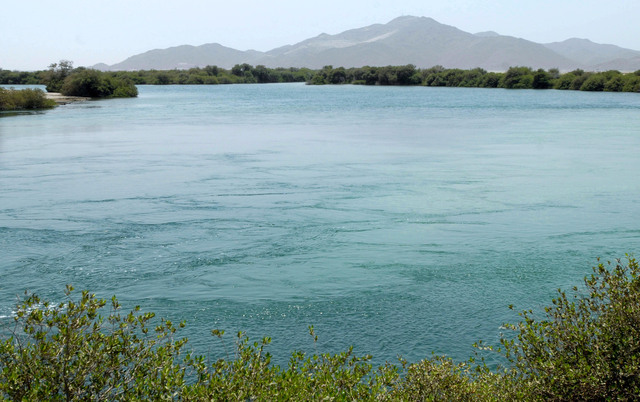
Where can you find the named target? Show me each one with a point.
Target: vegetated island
(63, 78)
(64, 84)
(585, 346)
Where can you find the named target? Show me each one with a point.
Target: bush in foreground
(585, 347)
(25, 99)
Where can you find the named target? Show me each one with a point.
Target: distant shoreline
(407, 75)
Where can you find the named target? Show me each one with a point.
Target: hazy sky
(36, 33)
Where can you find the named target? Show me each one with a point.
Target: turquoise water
(398, 220)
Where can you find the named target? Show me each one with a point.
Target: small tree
(55, 76)
(211, 70)
(541, 80)
(406, 75)
(565, 81)
(517, 78)
(595, 82)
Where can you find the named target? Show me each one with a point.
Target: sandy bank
(63, 100)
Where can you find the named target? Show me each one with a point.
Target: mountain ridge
(421, 41)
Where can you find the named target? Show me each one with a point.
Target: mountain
(591, 54)
(186, 56)
(625, 64)
(487, 33)
(421, 41)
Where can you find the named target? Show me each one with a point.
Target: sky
(36, 33)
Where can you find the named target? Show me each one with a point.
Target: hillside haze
(421, 41)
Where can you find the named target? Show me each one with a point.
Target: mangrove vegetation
(55, 76)
(25, 99)
(584, 346)
(513, 78)
(62, 77)
(107, 83)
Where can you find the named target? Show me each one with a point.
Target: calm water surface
(398, 220)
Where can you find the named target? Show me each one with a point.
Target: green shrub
(579, 79)
(89, 83)
(631, 83)
(318, 79)
(541, 80)
(97, 84)
(124, 88)
(615, 84)
(595, 82)
(585, 347)
(196, 80)
(211, 80)
(490, 80)
(69, 351)
(565, 81)
(25, 99)
(517, 78)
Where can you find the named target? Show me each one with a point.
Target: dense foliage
(239, 74)
(63, 78)
(513, 78)
(438, 76)
(55, 76)
(25, 99)
(96, 84)
(584, 347)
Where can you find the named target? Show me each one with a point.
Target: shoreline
(63, 100)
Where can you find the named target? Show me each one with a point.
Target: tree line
(209, 75)
(437, 76)
(513, 78)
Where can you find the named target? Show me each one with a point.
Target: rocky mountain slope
(421, 41)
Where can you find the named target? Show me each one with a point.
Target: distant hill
(487, 33)
(421, 41)
(186, 56)
(589, 53)
(625, 64)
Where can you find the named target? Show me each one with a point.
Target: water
(398, 220)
